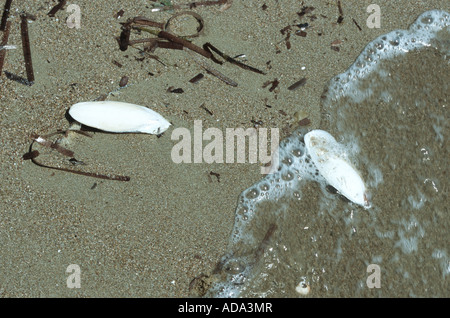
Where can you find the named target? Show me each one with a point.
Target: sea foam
(295, 169)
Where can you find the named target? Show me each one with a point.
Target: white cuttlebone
(119, 117)
(331, 160)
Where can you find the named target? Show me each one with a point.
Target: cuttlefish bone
(331, 160)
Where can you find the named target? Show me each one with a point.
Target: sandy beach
(151, 236)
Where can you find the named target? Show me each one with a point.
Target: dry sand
(152, 235)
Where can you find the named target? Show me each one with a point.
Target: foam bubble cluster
(421, 33)
(295, 166)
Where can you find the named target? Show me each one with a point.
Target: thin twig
(185, 43)
(5, 15)
(191, 5)
(33, 154)
(207, 46)
(26, 48)
(56, 8)
(211, 70)
(3, 43)
(5, 37)
(52, 145)
(200, 28)
(146, 21)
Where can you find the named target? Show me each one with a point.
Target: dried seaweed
(305, 10)
(3, 43)
(341, 13)
(5, 15)
(274, 85)
(26, 48)
(215, 174)
(53, 145)
(208, 46)
(357, 25)
(167, 7)
(185, 43)
(33, 154)
(196, 78)
(201, 23)
(175, 42)
(56, 8)
(212, 71)
(202, 106)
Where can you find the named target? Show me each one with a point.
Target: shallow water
(289, 229)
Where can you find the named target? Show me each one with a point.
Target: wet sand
(152, 235)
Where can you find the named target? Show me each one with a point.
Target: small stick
(197, 16)
(33, 154)
(52, 145)
(138, 41)
(168, 45)
(56, 8)
(196, 78)
(212, 71)
(146, 21)
(341, 13)
(185, 43)
(340, 8)
(274, 85)
(206, 109)
(5, 15)
(207, 46)
(3, 43)
(215, 174)
(26, 48)
(192, 5)
(356, 23)
(297, 84)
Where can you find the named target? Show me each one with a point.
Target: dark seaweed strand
(185, 43)
(56, 8)
(192, 5)
(26, 48)
(52, 145)
(4, 42)
(211, 70)
(32, 154)
(208, 46)
(5, 15)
